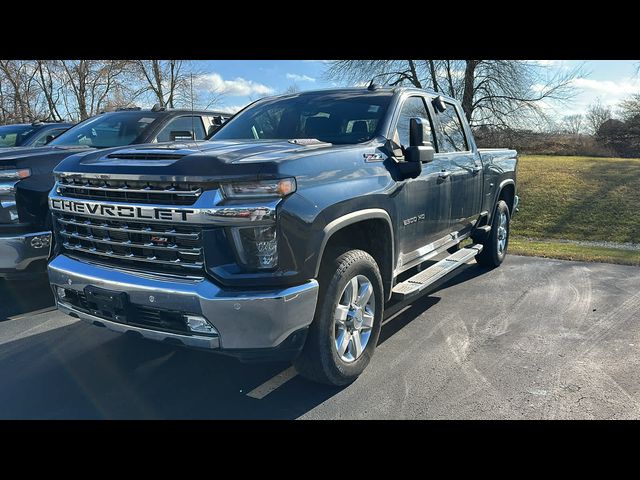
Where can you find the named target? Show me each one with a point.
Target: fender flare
(349, 219)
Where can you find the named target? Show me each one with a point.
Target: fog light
(199, 324)
(62, 293)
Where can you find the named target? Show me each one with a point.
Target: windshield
(14, 135)
(343, 117)
(107, 130)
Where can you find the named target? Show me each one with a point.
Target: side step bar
(435, 272)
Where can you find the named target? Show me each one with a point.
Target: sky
(245, 80)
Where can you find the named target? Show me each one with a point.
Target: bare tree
(90, 83)
(596, 115)
(293, 88)
(167, 80)
(21, 99)
(492, 92)
(573, 124)
(630, 107)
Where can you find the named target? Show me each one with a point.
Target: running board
(435, 272)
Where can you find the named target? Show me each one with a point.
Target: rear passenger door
(186, 127)
(462, 166)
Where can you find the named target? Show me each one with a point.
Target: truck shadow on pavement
(82, 371)
(19, 297)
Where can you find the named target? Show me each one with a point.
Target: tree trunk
(467, 96)
(434, 78)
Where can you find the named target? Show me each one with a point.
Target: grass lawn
(577, 198)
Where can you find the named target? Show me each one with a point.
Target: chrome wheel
(353, 318)
(502, 233)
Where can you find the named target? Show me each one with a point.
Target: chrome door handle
(444, 174)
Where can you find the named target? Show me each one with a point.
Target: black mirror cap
(420, 147)
(409, 169)
(438, 104)
(180, 135)
(419, 132)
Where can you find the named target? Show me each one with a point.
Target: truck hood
(202, 161)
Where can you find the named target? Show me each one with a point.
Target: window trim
(462, 129)
(430, 115)
(173, 119)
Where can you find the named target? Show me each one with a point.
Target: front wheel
(346, 326)
(495, 246)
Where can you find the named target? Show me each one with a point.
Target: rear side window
(182, 128)
(413, 107)
(451, 135)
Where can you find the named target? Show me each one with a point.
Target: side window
(451, 135)
(42, 139)
(180, 128)
(413, 107)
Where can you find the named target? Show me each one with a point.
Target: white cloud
(238, 87)
(623, 87)
(300, 78)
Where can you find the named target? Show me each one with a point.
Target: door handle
(476, 170)
(444, 174)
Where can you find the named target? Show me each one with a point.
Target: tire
(320, 359)
(494, 248)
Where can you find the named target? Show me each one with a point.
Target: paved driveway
(534, 338)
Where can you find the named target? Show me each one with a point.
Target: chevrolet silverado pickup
(26, 174)
(288, 233)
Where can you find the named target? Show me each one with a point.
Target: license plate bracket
(107, 304)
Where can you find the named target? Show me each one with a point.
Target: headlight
(15, 174)
(257, 247)
(264, 188)
(8, 180)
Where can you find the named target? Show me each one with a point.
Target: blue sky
(246, 80)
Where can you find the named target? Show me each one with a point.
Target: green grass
(569, 251)
(577, 198)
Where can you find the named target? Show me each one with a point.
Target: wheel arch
(383, 251)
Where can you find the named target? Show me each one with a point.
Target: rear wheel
(495, 246)
(346, 326)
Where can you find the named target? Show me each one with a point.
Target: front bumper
(19, 251)
(252, 320)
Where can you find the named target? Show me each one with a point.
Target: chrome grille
(152, 246)
(129, 191)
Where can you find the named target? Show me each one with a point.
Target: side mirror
(180, 135)
(420, 148)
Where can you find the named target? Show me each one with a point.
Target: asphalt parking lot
(533, 339)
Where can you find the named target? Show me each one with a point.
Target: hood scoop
(140, 158)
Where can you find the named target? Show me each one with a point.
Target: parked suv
(26, 174)
(288, 234)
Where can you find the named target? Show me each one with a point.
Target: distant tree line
(595, 133)
(74, 90)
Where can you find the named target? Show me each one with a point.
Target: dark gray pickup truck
(288, 233)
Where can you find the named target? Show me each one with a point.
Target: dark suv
(36, 134)
(26, 173)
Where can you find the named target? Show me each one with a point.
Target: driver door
(423, 202)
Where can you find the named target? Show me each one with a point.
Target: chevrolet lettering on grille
(120, 211)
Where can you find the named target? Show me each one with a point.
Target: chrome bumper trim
(187, 340)
(258, 318)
